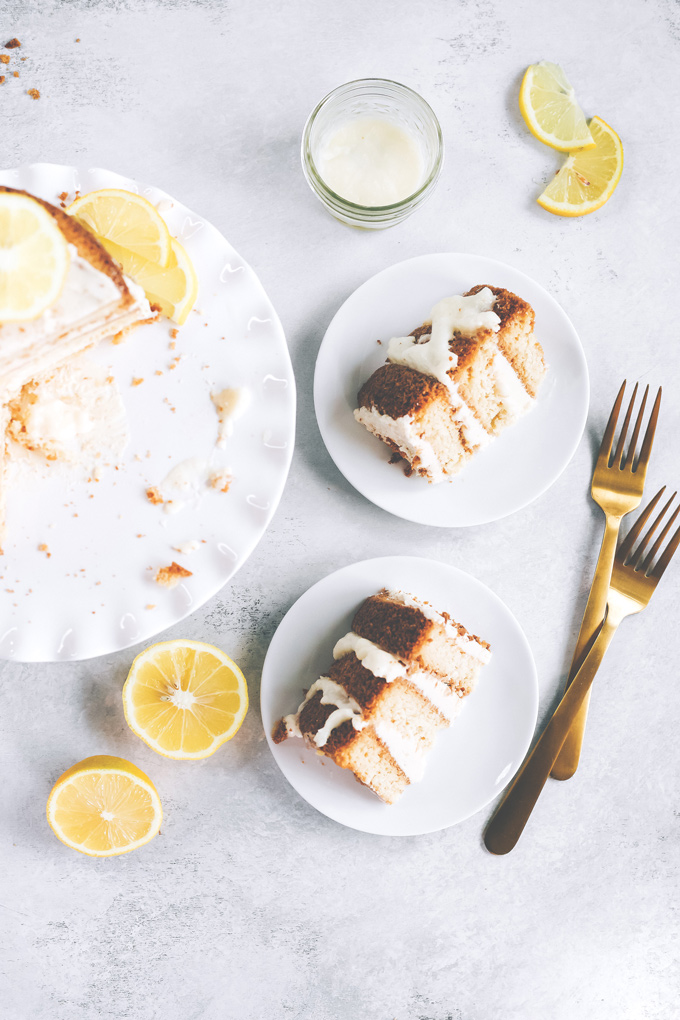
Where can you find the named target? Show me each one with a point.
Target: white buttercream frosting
(346, 708)
(403, 432)
(431, 354)
(378, 662)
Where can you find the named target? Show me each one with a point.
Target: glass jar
(380, 99)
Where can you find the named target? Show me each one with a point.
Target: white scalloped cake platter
(92, 594)
(470, 763)
(519, 465)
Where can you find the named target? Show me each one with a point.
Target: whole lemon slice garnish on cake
(34, 258)
(126, 219)
(588, 178)
(104, 806)
(184, 698)
(548, 104)
(173, 289)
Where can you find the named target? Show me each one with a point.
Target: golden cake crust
(399, 391)
(397, 628)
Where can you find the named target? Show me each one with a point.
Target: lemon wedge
(104, 806)
(184, 698)
(548, 104)
(126, 219)
(588, 178)
(34, 258)
(173, 289)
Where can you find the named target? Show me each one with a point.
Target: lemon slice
(104, 806)
(173, 288)
(548, 104)
(126, 219)
(184, 698)
(34, 258)
(588, 178)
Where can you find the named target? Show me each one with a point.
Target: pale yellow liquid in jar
(371, 162)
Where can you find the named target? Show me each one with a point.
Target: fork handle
(512, 814)
(568, 758)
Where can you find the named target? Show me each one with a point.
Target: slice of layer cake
(96, 302)
(455, 382)
(386, 696)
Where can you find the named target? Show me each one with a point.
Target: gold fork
(618, 482)
(633, 582)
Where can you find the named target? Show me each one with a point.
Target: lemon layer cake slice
(379, 708)
(455, 382)
(96, 301)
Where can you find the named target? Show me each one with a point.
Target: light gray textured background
(250, 904)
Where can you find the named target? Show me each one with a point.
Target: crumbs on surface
(33, 93)
(4, 59)
(169, 577)
(154, 495)
(2, 78)
(137, 380)
(63, 196)
(13, 44)
(44, 548)
(174, 333)
(150, 605)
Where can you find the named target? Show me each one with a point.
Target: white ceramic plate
(513, 470)
(470, 763)
(91, 595)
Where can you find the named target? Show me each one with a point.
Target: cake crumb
(63, 196)
(149, 605)
(34, 94)
(2, 78)
(13, 44)
(158, 372)
(15, 73)
(174, 333)
(154, 496)
(220, 480)
(137, 380)
(44, 548)
(169, 577)
(4, 59)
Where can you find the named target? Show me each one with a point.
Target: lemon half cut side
(184, 698)
(104, 806)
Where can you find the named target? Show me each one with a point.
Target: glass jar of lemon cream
(372, 151)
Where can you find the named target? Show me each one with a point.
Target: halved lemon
(34, 258)
(548, 104)
(588, 178)
(104, 806)
(126, 219)
(173, 288)
(184, 698)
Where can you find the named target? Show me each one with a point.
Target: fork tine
(649, 435)
(624, 428)
(630, 455)
(636, 555)
(608, 437)
(667, 555)
(627, 544)
(652, 554)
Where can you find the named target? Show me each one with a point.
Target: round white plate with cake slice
(470, 763)
(518, 465)
(81, 553)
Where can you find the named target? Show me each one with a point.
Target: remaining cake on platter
(398, 677)
(455, 382)
(96, 301)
